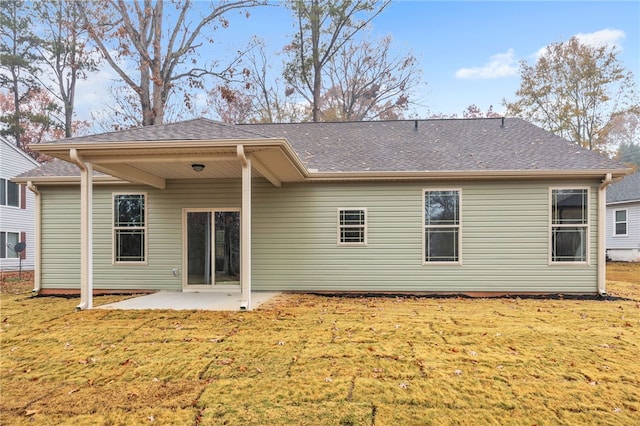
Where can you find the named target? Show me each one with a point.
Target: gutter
(38, 231)
(602, 212)
(379, 175)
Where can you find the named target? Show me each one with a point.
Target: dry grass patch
(312, 360)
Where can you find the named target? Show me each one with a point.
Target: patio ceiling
(153, 163)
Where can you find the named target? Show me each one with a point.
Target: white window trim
(6, 204)
(340, 227)
(185, 253)
(626, 222)
(7, 249)
(145, 228)
(424, 227)
(587, 226)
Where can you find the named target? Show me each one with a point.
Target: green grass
(312, 360)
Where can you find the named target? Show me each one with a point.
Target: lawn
(314, 360)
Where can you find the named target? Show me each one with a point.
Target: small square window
(352, 227)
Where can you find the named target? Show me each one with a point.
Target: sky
(468, 51)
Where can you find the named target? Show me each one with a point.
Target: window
(620, 222)
(442, 226)
(352, 227)
(9, 193)
(8, 240)
(129, 227)
(569, 225)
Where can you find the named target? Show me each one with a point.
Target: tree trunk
(159, 82)
(314, 20)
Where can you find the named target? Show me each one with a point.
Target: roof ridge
(408, 120)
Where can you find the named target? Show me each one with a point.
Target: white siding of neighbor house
(14, 219)
(624, 247)
(504, 225)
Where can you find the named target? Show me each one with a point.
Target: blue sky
(468, 50)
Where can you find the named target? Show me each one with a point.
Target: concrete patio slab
(176, 300)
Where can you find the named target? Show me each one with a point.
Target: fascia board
(462, 175)
(614, 203)
(69, 180)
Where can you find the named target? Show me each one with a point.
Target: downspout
(602, 213)
(245, 232)
(38, 231)
(86, 230)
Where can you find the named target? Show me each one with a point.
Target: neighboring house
(17, 209)
(480, 206)
(623, 219)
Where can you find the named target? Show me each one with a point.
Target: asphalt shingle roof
(434, 145)
(450, 145)
(628, 189)
(56, 168)
(196, 129)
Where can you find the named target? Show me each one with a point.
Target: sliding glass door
(212, 244)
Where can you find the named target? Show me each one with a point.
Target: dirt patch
(14, 282)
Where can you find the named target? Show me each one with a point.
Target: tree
(270, 103)
(574, 90)
(36, 125)
(164, 59)
(324, 28)
(473, 111)
(368, 83)
(63, 52)
(17, 64)
(260, 98)
(624, 134)
(231, 105)
(629, 153)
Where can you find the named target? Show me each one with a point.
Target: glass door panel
(227, 252)
(199, 248)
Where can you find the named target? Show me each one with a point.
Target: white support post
(245, 221)
(86, 237)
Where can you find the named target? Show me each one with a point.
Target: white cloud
(499, 65)
(607, 37)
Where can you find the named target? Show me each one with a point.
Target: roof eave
(67, 180)
(612, 203)
(464, 174)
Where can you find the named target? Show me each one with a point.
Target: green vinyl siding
(505, 240)
(60, 237)
(504, 225)
(61, 219)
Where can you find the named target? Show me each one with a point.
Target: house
(623, 219)
(17, 209)
(478, 206)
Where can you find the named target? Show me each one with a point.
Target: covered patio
(180, 151)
